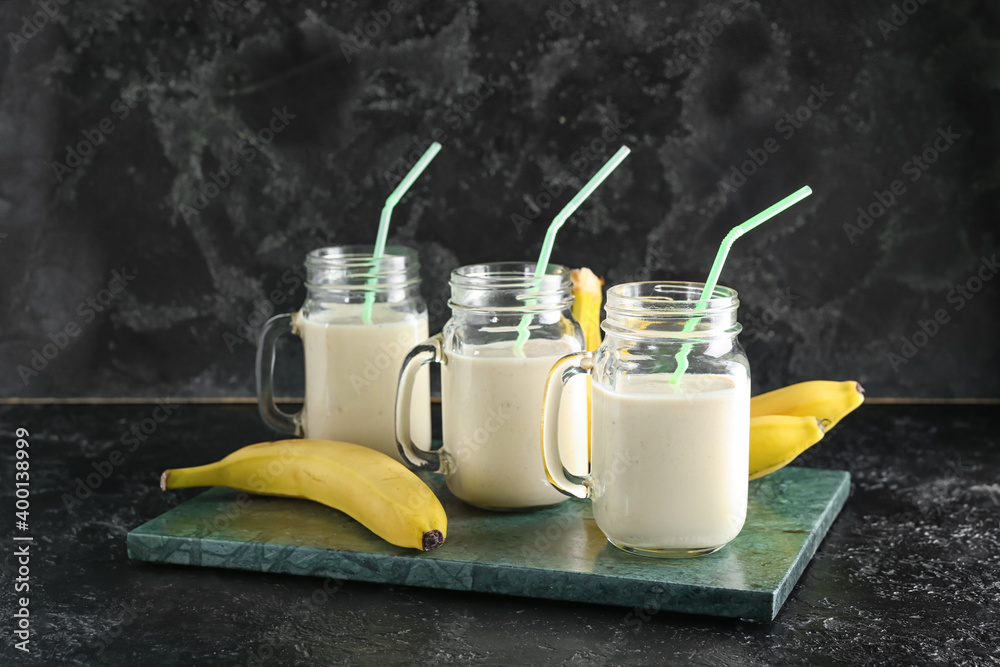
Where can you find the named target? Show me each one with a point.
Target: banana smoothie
(670, 461)
(492, 408)
(351, 374)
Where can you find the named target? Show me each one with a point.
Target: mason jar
(506, 330)
(361, 316)
(670, 426)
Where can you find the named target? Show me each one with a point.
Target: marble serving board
(557, 553)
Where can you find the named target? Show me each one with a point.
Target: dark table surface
(909, 573)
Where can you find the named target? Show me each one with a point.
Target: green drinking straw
(383, 224)
(720, 259)
(557, 222)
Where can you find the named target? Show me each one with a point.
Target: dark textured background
(815, 304)
(909, 574)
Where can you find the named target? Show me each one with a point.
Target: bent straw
(383, 224)
(720, 259)
(557, 223)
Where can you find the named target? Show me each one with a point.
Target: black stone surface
(523, 96)
(909, 573)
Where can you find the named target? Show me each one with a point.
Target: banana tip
(163, 480)
(432, 540)
(859, 388)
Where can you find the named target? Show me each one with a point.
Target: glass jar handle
(427, 352)
(274, 329)
(555, 471)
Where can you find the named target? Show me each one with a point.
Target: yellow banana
(369, 486)
(829, 401)
(775, 441)
(587, 304)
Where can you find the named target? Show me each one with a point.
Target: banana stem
(184, 478)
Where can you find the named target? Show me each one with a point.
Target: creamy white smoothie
(351, 374)
(491, 405)
(670, 461)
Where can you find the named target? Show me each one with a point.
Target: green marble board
(557, 553)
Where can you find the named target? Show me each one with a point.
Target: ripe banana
(829, 401)
(775, 441)
(369, 486)
(587, 297)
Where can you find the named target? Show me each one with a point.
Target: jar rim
(650, 309)
(395, 257)
(509, 275)
(656, 295)
(348, 266)
(510, 287)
